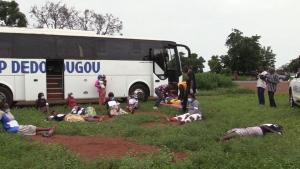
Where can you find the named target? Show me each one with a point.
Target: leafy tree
(10, 14)
(268, 58)
(196, 62)
(215, 64)
(60, 16)
(245, 54)
(294, 65)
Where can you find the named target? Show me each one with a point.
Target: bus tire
(142, 90)
(7, 94)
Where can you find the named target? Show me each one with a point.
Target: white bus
(57, 62)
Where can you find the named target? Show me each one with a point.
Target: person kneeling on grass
(253, 131)
(12, 126)
(193, 113)
(113, 107)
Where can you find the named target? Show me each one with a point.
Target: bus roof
(64, 32)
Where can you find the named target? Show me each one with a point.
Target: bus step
(54, 85)
(54, 80)
(54, 90)
(55, 96)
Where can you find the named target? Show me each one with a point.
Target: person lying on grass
(74, 118)
(10, 125)
(253, 131)
(113, 106)
(193, 113)
(78, 114)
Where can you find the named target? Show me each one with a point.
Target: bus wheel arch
(142, 89)
(6, 92)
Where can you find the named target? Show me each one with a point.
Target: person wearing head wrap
(100, 84)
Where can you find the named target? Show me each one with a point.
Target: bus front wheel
(6, 93)
(141, 90)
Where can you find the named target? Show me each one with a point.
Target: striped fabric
(272, 81)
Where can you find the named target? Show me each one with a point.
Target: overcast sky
(203, 25)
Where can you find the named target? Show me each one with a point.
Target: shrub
(209, 81)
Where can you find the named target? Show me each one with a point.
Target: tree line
(60, 16)
(245, 55)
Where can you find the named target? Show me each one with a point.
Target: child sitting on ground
(193, 113)
(70, 101)
(132, 103)
(113, 107)
(41, 103)
(253, 131)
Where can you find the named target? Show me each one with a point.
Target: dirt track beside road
(283, 87)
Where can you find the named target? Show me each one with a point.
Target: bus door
(34, 77)
(159, 67)
(55, 79)
(166, 67)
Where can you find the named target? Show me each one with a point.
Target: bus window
(5, 46)
(79, 48)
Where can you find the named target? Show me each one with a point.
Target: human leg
(271, 99)
(102, 94)
(229, 135)
(261, 97)
(159, 98)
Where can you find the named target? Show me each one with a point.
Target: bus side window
(101, 49)
(5, 46)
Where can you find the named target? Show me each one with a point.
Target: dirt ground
(93, 147)
(282, 86)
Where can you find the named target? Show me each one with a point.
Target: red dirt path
(92, 147)
(282, 86)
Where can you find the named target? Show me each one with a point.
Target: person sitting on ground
(41, 103)
(194, 113)
(10, 125)
(253, 131)
(161, 92)
(132, 103)
(113, 107)
(70, 101)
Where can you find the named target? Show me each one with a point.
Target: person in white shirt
(261, 86)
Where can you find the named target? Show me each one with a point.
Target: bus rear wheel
(141, 91)
(6, 93)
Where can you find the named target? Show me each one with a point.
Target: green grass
(223, 109)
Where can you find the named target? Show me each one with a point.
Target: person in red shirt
(70, 101)
(100, 84)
